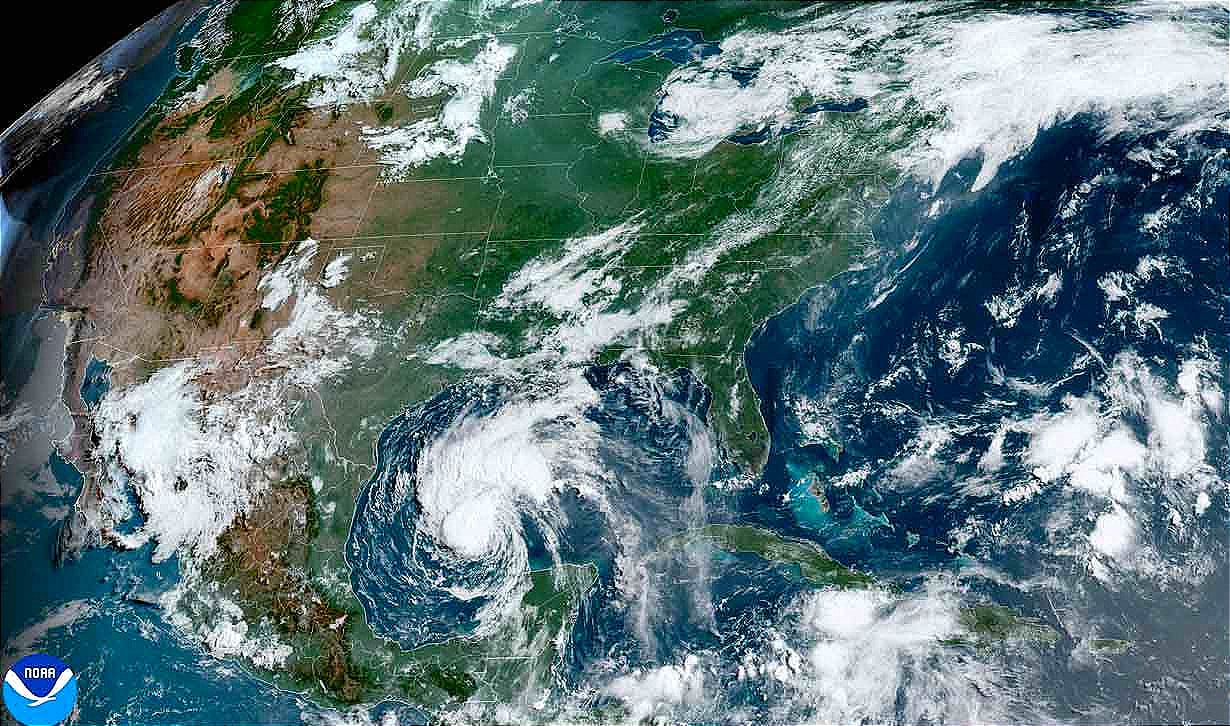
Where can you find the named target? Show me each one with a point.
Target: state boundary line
(337, 245)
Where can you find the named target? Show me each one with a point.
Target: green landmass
(336, 658)
(807, 558)
(287, 213)
(451, 236)
(988, 623)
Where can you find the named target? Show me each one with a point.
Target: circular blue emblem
(40, 690)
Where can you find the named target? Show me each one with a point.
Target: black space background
(46, 41)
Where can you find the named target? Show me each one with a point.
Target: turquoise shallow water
(908, 487)
(907, 390)
(884, 380)
(872, 524)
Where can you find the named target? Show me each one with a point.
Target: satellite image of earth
(411, 361)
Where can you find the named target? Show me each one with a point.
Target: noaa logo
(40, 690)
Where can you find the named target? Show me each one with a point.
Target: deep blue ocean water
(873, 346)
(132, 666)
(936, 274)
(833, 344)
(402, 578)
(878, 366)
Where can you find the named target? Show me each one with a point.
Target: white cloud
(359, 61)
(655, 691)
(469, 85)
